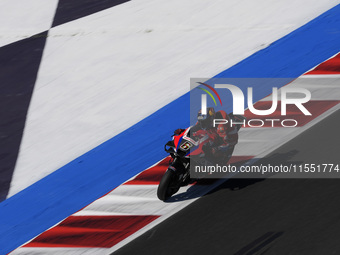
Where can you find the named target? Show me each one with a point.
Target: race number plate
(186, 146)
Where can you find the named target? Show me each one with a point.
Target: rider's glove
(222, 148)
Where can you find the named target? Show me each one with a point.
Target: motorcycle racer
(203, 144)
(223, 137)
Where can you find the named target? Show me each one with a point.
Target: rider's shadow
(202, 187)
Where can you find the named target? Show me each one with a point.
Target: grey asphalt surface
(261, 216)
(20, 62)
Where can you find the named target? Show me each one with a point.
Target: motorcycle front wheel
(168, 185)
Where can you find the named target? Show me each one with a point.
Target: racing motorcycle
(183, 148)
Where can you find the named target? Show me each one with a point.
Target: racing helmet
(206, 121)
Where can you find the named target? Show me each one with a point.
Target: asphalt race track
(92, 89)
(261, 216)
